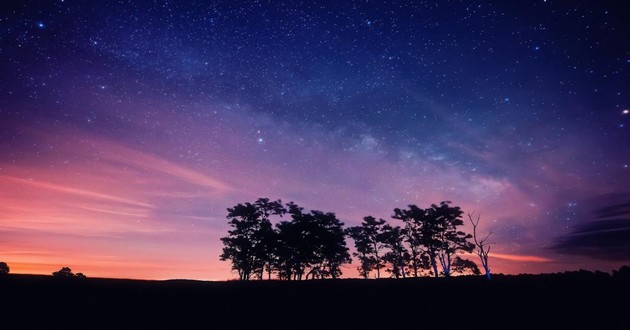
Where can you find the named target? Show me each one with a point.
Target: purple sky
(126, 130)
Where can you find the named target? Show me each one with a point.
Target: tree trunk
(378, 262)
(415, 262)
(484, 263)
(434, 265)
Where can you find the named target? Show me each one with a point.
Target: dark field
(555, 301)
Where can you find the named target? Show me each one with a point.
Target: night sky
(128, 127)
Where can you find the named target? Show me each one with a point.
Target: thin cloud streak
(523, 258)
(75, 191)
(144, 161)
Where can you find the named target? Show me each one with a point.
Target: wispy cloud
(147, 162)
(604, 234)
(75, 191)
(522, 258)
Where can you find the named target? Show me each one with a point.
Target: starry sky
(128, 127)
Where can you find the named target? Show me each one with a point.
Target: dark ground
(579, 300)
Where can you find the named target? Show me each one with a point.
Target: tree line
(303, 245)
(64, 272)
(312, 244)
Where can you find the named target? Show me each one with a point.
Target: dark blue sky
(147, 119)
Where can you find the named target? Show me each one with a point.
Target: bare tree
(483, 248)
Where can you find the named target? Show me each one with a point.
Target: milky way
(128, 128)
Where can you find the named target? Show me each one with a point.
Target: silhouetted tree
(419, 237)
(4, 268)
(397, 256)
(483, 248)
(266, 249)
(239, 246)
(432, 236)
(447, 219)
(80, 275)
(331, 250)
(363, 250)
(291, 249)
(311, 244)
(64, 272)
(249, 244)
(267, 236)
(368, 238)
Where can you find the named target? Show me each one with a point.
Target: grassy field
(554, 301)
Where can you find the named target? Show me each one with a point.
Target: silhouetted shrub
(80, 275)
(4, 268)
(64, 272)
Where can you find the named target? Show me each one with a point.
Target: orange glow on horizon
(516, 257)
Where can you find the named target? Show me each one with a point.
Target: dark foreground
(560, 301)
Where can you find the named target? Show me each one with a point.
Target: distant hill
(564, 301)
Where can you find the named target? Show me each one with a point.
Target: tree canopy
(250, 242)
(311, 244)
(369, 241)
